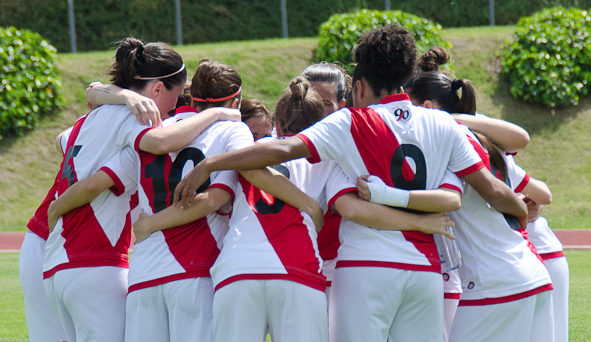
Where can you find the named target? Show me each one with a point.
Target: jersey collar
(395, 97)
(186, 108)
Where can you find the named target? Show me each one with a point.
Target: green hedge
(549, 59)
(340, 33)
(99, 23)
(29, 83)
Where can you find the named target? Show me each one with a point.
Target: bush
(339, 34)
(548, 60)
(29, 82)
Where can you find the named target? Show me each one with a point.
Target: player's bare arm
(510, 137)
(79, 194)
(205, 203)
(497, 193)
(377, 216)
(144, 108)
(435, 201)
(277, 185)
(254, 157)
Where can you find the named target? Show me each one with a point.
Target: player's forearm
(74, 197)
(496, 193)
(180, 134)
(538, 191)
(435, 201)
(258, 156)
(508, 136)
(101, 94)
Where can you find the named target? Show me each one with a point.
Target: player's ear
(342, 103)
(235, 104)
(157, 88)
(427, 104)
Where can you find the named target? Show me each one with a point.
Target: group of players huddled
(332, 242)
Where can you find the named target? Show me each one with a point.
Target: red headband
(209, 99)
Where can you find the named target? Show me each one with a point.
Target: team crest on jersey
(401, 114)
(445, 276)
(471, 285)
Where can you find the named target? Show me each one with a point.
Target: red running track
(570, 238)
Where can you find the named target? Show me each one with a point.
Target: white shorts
(377, 304)
(90, 302)
(42, 322)
(452, 289)
(173, 312)
(558, 269)
(450, 306)
(528, 319)
(244, 310)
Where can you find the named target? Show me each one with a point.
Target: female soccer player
(502, 275)
(375, 266)
(258, 118)
(85, 267)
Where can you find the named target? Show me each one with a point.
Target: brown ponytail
(439, 88)
(495, 154)
(136, 64)
(299, 107)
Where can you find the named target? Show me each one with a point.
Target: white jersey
(499, 263)
(99, 233)
(546, 242)
(187, 251)
(408, 147)
(269, 239)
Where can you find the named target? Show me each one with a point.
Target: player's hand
(141, 228)
(436, 224)
(362, 188)
(185, 191)
(144, 109)
(316, 214)
(533, 210)
(51, 217)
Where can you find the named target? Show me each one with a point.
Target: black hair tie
(456, 84)
(139, 54)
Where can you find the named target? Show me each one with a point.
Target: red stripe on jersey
(167, 279)
(193, 245)
(303, 281)
(483, 155)
(64, 182)
(449, 295)
(531, 246)
(523, 183)
(506, 299)
(376, 145)
(339, 194)
(371, 263)
(287, 233)
(451, 187)
(86, 243)
(395, 97)
(328, 237)
(134, 201)
(315, 156)
(470, 169)
(38, 223)
(154, 181)
(118, 189)
(136, 145)
(224, 187)
(552, 255)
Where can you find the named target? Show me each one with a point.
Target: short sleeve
(517, 176)
(239, 137)
(326, 138)
(338, 184)
(464, 158)
(226, 180)
(123, 168)
(130, 131)
(452, 181)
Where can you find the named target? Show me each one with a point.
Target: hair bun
(456, 84)
(299, 88)
(433, 58)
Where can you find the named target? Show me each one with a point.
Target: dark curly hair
(386, 58)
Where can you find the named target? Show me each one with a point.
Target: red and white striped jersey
(269, 239)
(499, 263)
(98, 233)
(408, 147)
(186, 251)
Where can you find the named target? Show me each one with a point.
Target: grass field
(559, 152)
(12, 312)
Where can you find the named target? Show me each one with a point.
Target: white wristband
(383, 194)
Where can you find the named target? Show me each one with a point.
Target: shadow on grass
(535, 118)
